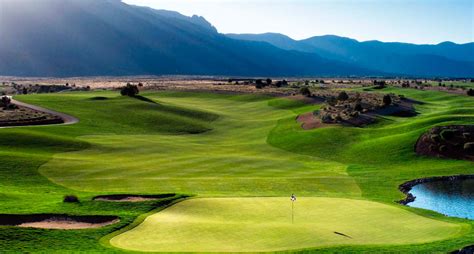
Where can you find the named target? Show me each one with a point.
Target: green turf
(265, 224)
(233, 159)
(216, 145)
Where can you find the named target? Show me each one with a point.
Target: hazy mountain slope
(107, 37)
(445, 59)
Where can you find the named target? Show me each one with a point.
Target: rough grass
(265, 224)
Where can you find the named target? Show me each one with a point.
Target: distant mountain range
(445, 59)
(108, 37)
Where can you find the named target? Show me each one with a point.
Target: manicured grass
(265, 224)
(216, 145)
(232, 160)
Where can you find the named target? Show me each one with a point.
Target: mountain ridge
(110, 38)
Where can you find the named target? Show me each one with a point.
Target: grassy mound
(265, 224)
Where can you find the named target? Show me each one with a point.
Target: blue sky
(415, 21)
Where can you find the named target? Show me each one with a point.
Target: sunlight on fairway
(232, 159)
(264, 224)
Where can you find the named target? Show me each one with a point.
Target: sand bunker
(131, 198)
(55, 221)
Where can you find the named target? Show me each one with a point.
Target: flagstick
(292, 212)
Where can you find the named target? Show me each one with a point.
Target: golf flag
(293, 199)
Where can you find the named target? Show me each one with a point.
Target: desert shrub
(6, 101)
(343, 96)
(326, 118)
(387, 100)
(442, 149)
(380, 84)
(129, 90)
(470, 92)
(258, 85)
(447, 134)
(71, 199)
(332, 101)
(355, 114)
(358, 107)
(269, 81)
(305, 91)
(435, 138)
(469, 146)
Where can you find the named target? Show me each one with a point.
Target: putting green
(264, 224)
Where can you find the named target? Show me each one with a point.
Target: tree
(129, 90)
(305, 91)
(24, 90)
(387, 100)
(343, 96)
(470, 92)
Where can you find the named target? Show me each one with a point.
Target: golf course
(230, 163)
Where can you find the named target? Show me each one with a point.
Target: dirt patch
(455, 142)
(57, 221)
(131, 198)
(309, 121)
(23, 116)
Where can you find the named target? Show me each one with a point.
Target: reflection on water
(452, 198)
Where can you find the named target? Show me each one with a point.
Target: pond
(449, 197)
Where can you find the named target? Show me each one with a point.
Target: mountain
(108, 37)
(445, 59)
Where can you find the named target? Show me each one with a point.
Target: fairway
(231, 159)
(264, 224)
